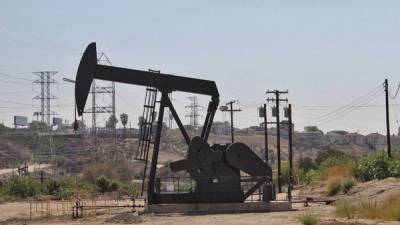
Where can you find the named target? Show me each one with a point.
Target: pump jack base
(247, 207)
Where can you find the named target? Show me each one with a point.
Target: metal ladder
(146, 131)
(146, 125)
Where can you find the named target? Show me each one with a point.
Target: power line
(397, 92)
(12, 102)
(15, 77)
(346, 107)
(14, 82)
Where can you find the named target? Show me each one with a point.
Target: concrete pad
(220, 207)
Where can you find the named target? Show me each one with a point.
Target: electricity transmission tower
(97, 108)
(194, 112)
(45, 80)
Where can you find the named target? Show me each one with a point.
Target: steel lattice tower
(96, 91)
(194, 111)
(45, 80)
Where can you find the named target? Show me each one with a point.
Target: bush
(102, 183)
(334, 156)
(348, 184)
(63, 193)
(333, 185)
(309, 219)
(114, 186)
(134, 189)
(52, 186)
(306, 164)
(376, 166)
(22, 187)
(59, 189)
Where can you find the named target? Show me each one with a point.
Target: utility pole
(262, 112)
(277, 100)
(231, 110)
(290, 130)
(389, 147)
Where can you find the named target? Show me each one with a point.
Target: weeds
(388, 209)
(345, 210)
(347, 184)
(309, 219)
(336, 185)
(333, 186)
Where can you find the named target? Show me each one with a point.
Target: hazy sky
(327, 53)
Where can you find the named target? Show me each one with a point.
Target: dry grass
(333, 185)
(123, 170)
(388, 209)
(336, 171)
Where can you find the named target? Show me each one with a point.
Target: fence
(188, 185)
(81, 208)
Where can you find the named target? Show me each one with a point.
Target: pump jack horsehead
(216, 169)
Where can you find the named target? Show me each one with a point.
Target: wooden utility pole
(231, 110)
(262, 112)
(266, 133)
(389, 148)
(277, 100)
(290, 130)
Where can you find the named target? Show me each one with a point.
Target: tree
(111, 122)
(312, 129)
(124, 119)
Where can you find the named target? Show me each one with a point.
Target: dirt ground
(19, 212)
(12, 214)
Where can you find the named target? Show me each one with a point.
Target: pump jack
(215, 169)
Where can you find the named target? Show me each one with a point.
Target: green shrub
(52, 186)
(394, 168)
(102, 183)
(63, 193)
(348, 184)
(114, 186)
(306, 164)
(309, 219)
(22, 187)
(134, 189)
(335, 156)
(376, 166)
(59, 189)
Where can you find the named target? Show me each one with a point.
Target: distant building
(315, 138)
(221, 128)
(354, 139)
(336, 137)
(375, 140)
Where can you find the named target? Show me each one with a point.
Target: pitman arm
(241, 157)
